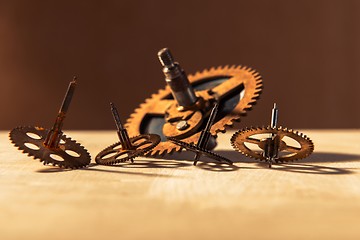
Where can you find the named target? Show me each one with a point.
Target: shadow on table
(152, 163)
(204, 162)
(109, 169)
(316, 157)
(185, 159)
(309, 169)
(300, 167)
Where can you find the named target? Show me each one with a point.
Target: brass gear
(291, 153)
(223, 84)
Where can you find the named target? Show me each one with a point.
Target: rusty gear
(287, 152)
(69, 153)
(236, 88)
(117, 154)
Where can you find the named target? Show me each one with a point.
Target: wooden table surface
(315, 198)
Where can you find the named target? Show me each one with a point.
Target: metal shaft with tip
(205, 134)
(54, 136)
(121, 131)
(271, 150)
(274, 116)
(177, 80)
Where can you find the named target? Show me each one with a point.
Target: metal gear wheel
(69, 153)
(117, 154)
(195, 149)
(235, 88)
(300, 147)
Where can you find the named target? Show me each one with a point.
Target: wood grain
(316, 198)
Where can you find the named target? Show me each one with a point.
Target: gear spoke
(292, 149)
(226, 88)
(252, 140)
(142, 143)
(161, 107)
(120, 153)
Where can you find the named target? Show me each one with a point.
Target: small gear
(117, 154)
(272, 143)
(197, 150)
(181, 109)
(128, 148)
(52, 146)
(69, 154)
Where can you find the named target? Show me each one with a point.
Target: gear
(69, 154)
(52, 146)
(116, 153)
(195, 149)
(242, 140)
(235, 88)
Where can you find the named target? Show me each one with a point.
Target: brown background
(308, 53)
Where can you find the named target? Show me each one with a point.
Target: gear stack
(200, 147)
(279, 144)
(52, 146)
(127, 148)
(181, 109)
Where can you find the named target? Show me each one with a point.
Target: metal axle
(271, 150)
(177, 80)
(121, 131)
(53, 137)
(205, 134)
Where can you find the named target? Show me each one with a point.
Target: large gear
(69, 153)
(242, 140)
(236, 88)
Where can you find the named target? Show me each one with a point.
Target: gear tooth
(255, 97)
(212, 69)
(197, 73)
(204, 71)
(171, 151)
(154, 153)
(161, 152)
(233, 67)
(178, 148)
(257, 76)
(251, 70)
(219, 68)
